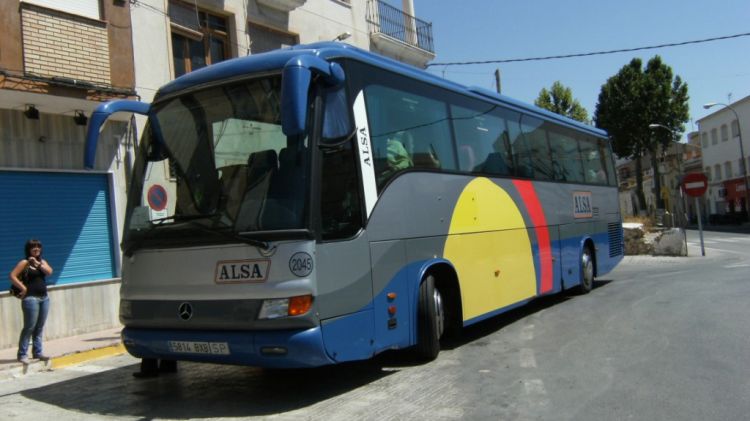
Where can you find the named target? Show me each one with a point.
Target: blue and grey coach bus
(327, 204)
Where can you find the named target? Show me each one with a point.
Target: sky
(476, 30)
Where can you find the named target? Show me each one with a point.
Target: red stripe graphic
(531, 200)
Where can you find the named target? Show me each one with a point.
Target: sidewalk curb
(83, 356)
(17, 370)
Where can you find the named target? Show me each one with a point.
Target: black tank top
(36, 284)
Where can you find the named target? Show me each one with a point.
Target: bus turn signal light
(300, 305)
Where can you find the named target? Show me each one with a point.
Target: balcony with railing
(282, 5)
(398, 34)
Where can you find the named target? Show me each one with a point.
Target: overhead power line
(595, 53)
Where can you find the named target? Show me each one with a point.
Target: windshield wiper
(284, 234)
(133, 245)
(252, 241)
(258, 239)
(180, 218)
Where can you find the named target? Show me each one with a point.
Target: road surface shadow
(218, 391)
(204, 390)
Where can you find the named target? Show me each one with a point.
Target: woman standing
(30, 276)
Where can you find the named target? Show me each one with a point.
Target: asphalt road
(657, 339)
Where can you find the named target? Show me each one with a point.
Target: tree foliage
(559, 99)
(633, 99)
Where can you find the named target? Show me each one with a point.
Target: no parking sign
(157, 201)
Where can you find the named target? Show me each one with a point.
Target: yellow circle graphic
(489, 245)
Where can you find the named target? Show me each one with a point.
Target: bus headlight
(283, 307)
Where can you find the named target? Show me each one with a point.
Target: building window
(717, 172)
(735, 128)
(714, 137)
(264, 39)
(199, 38)
(724, 133)
(728, 170)
(704, 139)
(708, 173)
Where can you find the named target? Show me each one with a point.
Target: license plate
(184, 347)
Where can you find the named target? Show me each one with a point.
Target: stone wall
(657, 242)
(74, 310)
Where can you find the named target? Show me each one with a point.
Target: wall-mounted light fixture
(80, 118)
(342, 36)
(31, 112)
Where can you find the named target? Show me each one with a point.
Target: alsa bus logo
(364, 145)
(582, 204)
(236, 271)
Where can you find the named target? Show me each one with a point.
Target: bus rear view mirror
(100, 116)
(296, 78)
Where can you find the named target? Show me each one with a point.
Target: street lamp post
(742, 153)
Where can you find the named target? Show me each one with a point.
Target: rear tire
(587, 271)
(430, 320)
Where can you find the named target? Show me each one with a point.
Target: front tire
(430, 320)
(587, 271)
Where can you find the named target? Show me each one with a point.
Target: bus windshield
(215, 161)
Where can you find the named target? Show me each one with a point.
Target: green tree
(559, 99)
(631, 100)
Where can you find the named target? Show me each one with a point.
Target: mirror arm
(100, 116)
(296, 78)
(332, 73)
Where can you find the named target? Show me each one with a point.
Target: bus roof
(275, 60)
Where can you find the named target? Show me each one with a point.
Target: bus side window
(608, 170)
(340, 204)
(407, 130)
(536, 138)
(483, 139)
(565, 156)
(391, 157)
(466, 157)
(592, 162)
(423, 154)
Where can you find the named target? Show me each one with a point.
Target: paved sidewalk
(64, 352)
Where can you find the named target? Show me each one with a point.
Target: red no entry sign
(157, 197)
(695, 184)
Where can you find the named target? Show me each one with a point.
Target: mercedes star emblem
(185, 311)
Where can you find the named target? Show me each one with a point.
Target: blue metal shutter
(68, 212)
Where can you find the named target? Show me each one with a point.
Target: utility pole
(498, 86)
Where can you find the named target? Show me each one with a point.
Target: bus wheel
(587, 271)
(430, 320)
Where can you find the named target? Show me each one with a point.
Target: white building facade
(721, 133)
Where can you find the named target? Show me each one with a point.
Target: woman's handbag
(14, 290)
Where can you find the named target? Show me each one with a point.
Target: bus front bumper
(277, 349)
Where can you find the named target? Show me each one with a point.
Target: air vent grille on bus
(615, 239)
